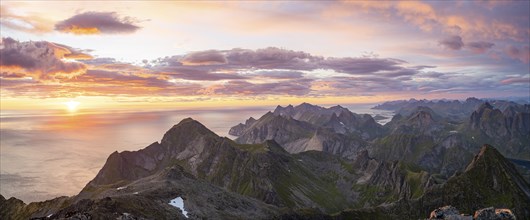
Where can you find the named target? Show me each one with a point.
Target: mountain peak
(491, 162)
(485, 105)
(185, 131)
(487, 154)
(422, 116)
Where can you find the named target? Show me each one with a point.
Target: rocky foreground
(450, 212)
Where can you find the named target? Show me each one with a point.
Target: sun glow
(72, 105)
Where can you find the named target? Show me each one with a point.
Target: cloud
(522, 54)
(234, 73)
(275, 74)
(39, 59)
(240, 87)
(271, 58)
(364, 65)
(25, 23)
(97, 23)
(452, 42)
(100, 83)
(418, 13)
(209, 57)
(479, 46)
(197, 74)
(273, 62)
(516, 80)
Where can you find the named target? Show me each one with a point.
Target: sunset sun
(72, 105)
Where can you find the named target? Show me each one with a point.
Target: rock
(505, 214)
(491, 213)
(485, 214)
(451, 213)
(240, 128)
(444, 212)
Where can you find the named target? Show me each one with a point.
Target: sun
(72, 105)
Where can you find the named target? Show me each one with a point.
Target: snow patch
(121, 188)
(179, 203)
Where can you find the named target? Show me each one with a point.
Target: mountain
(219, 178)
(452, 109)
(238, 129)
(425, 140)
(442, 146)
(490, 180)
(340, 119)
(510, 128)
(309, 127)
(318, 166)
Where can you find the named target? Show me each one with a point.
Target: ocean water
(48, 154)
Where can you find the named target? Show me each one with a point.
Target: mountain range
(311, 162)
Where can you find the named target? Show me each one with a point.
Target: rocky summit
(309, 162)
(449, 212)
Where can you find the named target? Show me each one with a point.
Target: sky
(178, 54)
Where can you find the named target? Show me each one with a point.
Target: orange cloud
(39, 60)
(418, 13)
(74, 29)
(29, 23)
(88, 23)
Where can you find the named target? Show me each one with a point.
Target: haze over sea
(48, 154)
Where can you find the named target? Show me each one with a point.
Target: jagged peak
(267, 115)
(472, 99)
(485, 105)
(281, 110)
(306, 105)
(190, 123)
(250, 120)
(187, 128)
(422, 112)
(422, 108)
(487, 154)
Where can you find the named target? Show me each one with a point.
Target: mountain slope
(219, 178)
(510, 129)
(489, 180)
(309, 127)
(426, 140)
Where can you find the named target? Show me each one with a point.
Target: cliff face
(426, 140)
(309, 127)
(240, 128)
(510, 129)
(490, 180)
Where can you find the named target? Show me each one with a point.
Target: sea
(46, 154)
